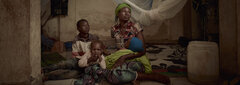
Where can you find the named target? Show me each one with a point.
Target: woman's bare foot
(162, 79)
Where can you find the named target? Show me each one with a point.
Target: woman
(123, 32)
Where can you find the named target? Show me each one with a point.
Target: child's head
(97, 47)
(83, 26)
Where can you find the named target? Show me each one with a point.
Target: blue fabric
(46, 43)
(68, 46)
(136, 45)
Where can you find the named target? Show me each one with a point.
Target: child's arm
(102, 62)
(83, 62)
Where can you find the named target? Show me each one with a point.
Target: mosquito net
(143, 13)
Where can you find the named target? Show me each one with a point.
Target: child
(94, 56)
(69, 68)
(94, 63)
(83, 39)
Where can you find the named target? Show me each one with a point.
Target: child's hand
(92, 59)
(100, 58)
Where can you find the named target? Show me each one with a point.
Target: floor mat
(167, 55)
(50, 58)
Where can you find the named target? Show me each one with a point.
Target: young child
(94, 63)
(69, 68)
(94, 56)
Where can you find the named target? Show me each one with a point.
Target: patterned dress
(126, 73)
(122, 35)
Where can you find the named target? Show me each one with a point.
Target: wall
(100, 15)
(238, 34)
(196, 30)
(35, 49)
(187, 19)
(19, 41)
(228, 37)
(16, 28)
(210, 31)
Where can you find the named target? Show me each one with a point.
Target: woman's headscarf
(119, 7)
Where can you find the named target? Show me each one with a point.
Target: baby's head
(97, 47)
(83, 26)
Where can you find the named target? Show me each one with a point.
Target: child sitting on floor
(69, 68)
(93, 61)
(94, 56)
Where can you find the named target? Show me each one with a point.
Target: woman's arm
(83, 61)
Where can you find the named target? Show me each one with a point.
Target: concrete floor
(156, 57)
(174, 81)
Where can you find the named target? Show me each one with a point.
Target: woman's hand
(119, 62)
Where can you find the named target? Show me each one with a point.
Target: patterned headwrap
(119, 7)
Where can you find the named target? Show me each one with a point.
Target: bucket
(203, 62)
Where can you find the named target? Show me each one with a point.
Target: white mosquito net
(143, 13)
